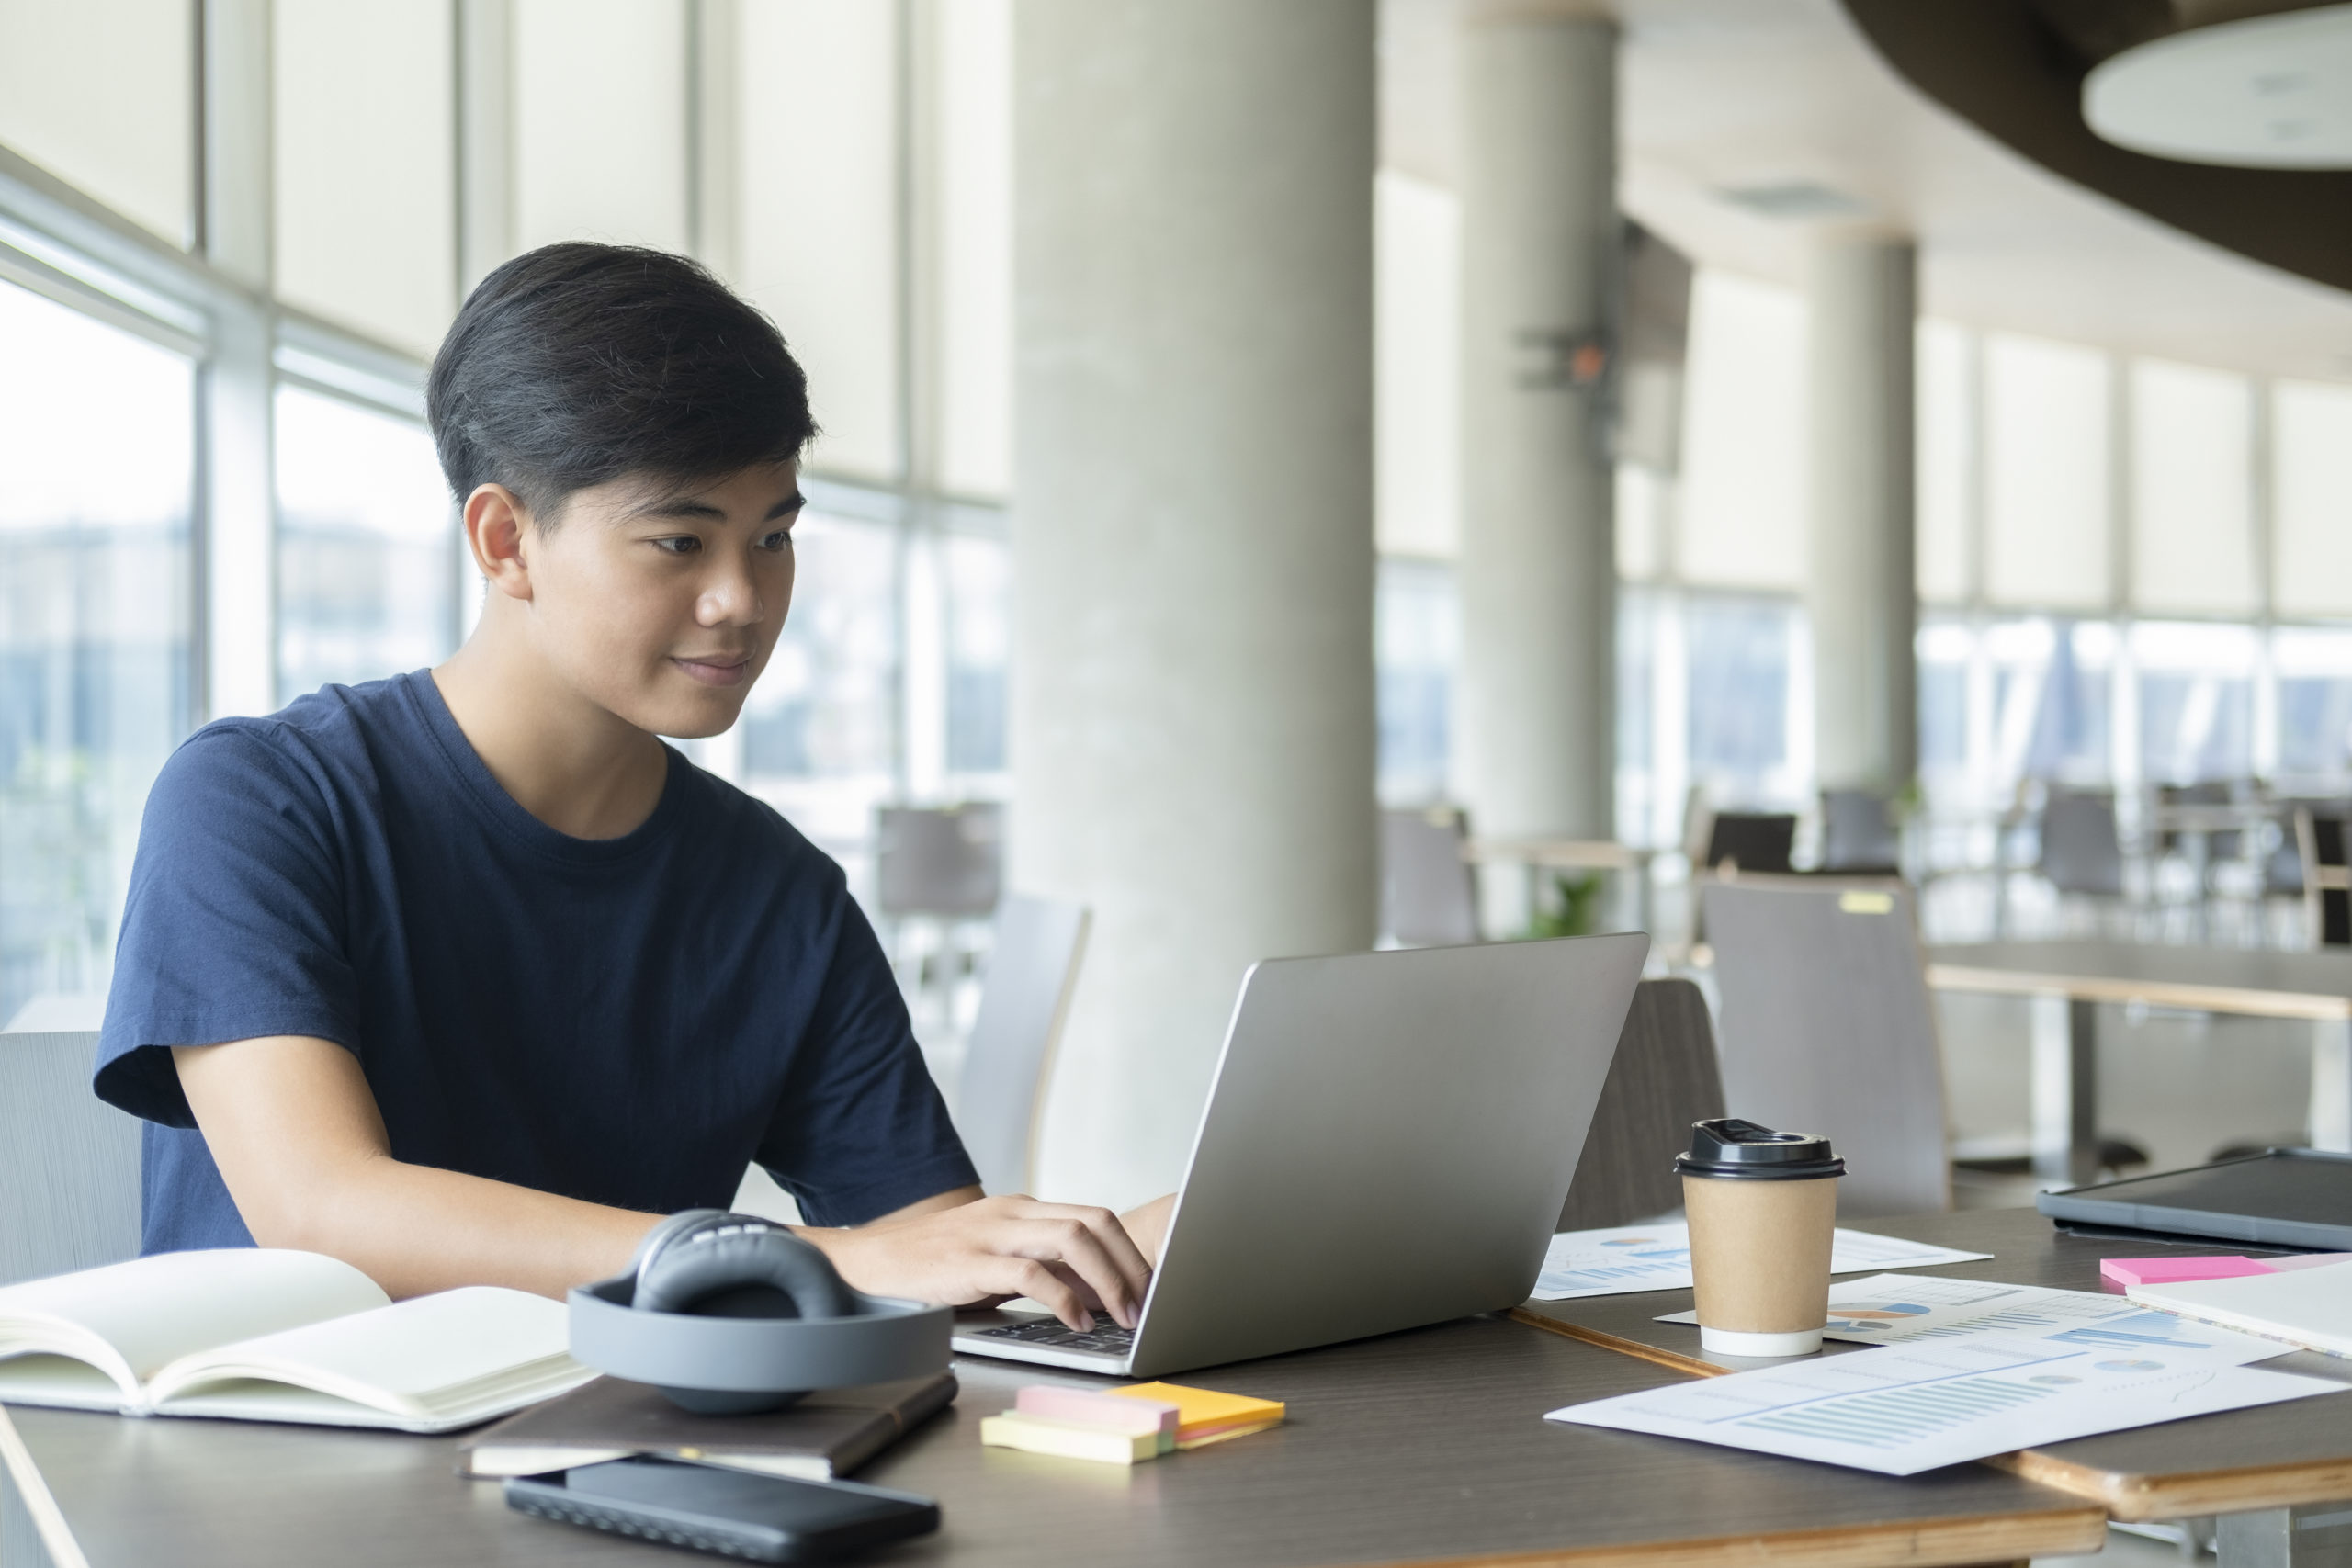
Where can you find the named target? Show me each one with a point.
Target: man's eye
(678, 545)
(779, 540)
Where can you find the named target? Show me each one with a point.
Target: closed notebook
(828, 1434)
(262, 1335)
(2309, 1308)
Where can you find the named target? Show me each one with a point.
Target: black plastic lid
(1731, 1148)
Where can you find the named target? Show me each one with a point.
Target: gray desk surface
(2212, 1464)
(1419, 1448)
(2214, 979)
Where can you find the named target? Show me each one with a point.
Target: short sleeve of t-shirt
(236, 934)
(824, 1162)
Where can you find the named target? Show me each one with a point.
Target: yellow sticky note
(1066, 1439)
(1201, 1411)
(1860, 902)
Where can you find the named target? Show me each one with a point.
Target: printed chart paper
(1901, 1409)
(1657, 1258)
(1889, 1309)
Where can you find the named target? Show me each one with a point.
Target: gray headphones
(731, 1315)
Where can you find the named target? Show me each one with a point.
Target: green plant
(1573, 908)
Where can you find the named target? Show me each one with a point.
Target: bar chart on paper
(1657, 1258)
(1901, 1409)
(1890, 1309)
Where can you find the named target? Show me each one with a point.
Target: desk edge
(49, 1519)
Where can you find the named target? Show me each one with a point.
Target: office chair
(942, 860)
(1428, 893)
(1828, 1027)
(1008, 1062)
(69, 1162)
(1857, 832)
(1753, 840)
(2326, 874)
(1662, 1077)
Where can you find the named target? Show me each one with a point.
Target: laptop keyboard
(1106, 1336)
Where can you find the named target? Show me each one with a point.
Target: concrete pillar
(1535, 742)
(1860, 588)
(1192, 712)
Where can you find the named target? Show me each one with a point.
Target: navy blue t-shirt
(626, 1021)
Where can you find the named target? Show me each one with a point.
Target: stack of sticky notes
(2128, 1271)
(1205, 1416)
(1124, 1426)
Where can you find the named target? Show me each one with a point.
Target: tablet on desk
(2277, 1197)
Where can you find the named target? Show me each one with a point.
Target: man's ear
(496, 522)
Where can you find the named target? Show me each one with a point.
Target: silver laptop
(1387, 1143)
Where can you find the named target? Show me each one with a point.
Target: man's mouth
(716, 670)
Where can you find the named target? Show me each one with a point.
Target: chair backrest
(938, 860)
(1757, 841)
(1858, 832)
(1663, 1078)
(2327, 886)
(1032, 973)
(1828, 1027)
(2080, 851)
(1429, 894)
(69, 1162)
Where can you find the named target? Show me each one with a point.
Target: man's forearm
(301, 1147)
(414, 1230)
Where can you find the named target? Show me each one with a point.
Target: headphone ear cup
(669, 1230)
(763, 1272)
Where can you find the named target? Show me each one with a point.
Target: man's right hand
(961, 1249)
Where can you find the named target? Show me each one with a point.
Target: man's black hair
(575, 363)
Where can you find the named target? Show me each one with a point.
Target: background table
(2067, 980)
(2243, 1460)
(1426, 1447)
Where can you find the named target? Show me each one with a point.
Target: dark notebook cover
(828, 1434)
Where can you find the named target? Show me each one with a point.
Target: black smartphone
(762, 1518)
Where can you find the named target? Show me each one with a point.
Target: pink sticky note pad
(2179, 1271)
(1107, 1411)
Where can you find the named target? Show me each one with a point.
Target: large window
(96, 477)
(1416, 631)
(366, 545)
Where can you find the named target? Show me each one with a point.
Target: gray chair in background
(1428, 893)
(1663, 1078)
(1008, 1062)
(1752, 841)
(2081, 851)
(941, 861)
(1828, 1027)
(1858, 832)
(69, 1162)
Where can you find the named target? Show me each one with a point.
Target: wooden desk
(1421, 1447)
(2067, 980)
(2239, 1460)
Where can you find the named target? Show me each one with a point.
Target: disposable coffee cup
(1763, 1206)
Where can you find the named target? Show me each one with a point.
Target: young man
(464, 976)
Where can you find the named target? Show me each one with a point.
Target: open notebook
(269, 1336)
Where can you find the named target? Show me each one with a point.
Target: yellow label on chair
(1856, 901)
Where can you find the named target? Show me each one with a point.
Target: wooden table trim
(1633, 1348)
(2305, 1005)
(2137, 1498)
(1983, 1541)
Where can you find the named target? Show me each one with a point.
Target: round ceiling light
(2270, 91)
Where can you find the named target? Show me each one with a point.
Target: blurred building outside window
(367, 546)
(96, 477)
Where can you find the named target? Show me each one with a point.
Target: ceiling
(1783, 105)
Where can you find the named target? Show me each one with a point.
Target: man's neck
(575, 766)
